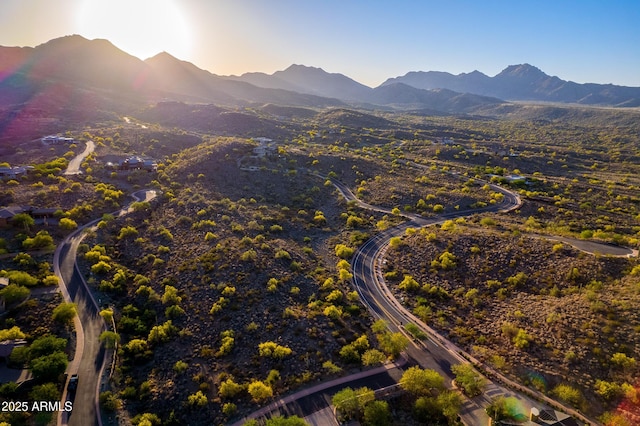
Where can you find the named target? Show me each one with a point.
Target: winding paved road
(436, 352)
(89, 358)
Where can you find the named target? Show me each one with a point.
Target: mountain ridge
(524, 82)
(98, 66)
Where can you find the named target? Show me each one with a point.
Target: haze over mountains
(96, 72)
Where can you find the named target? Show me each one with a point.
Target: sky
(595, 41)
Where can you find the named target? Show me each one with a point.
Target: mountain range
(71, 71)
(524, 82)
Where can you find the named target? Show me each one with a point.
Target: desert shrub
(273, 350)
(259, 391)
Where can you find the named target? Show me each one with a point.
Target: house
(12, 172)
(138, 163)
(265, 147)
(44, 213)
(56, 140)
(150, 165)
(7, 213)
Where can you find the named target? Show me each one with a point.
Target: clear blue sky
(367, 40)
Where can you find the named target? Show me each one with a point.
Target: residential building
(7, 213)
(138, 163)
(56, 140)
(12, 172)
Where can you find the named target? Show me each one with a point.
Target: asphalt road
(376, 296)
(89, 364)
(435, 352)
(88, 361)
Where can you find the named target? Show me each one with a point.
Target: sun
(141, 28)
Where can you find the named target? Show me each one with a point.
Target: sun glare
(141, 28)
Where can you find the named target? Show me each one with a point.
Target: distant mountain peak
(304, 70)
(522, 70)
(301, 66)
(73, 38)
(162, 55)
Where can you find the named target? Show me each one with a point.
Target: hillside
(245, 262)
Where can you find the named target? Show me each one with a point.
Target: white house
(56, 140)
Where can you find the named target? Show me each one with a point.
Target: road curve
(383, 305)
(436, 353)
(74, 165)
(89, 356)
(373, 291)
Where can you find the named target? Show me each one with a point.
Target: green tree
(42, 240)
(502, 408)
(65, 313)
(110, 339)
(22, 278)
(522, 339)
(46, 345)
(14, 293)
(49, 367)
(608, 390)
(101, 267)
(180, 367)
(50, 280)
(428, 411)
(379, 327)
(395, 242)
(393, 343)
(109, 401)
(422, 382)
(23, 220)
(450, 403)
(468, 379)
(377, 413)
(161, 333)
(45, 392)
(350, 403)
(107, 315)
(373, 357)
(229, 409)
(286, 421)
